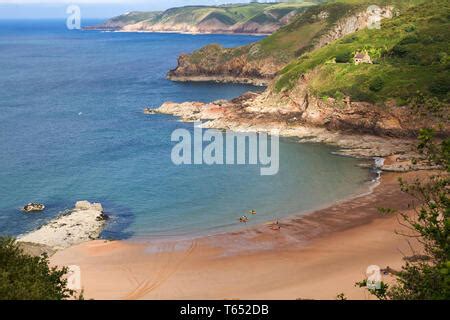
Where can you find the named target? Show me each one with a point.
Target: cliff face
(211, 63)
(209, 25)
(350, 24)
(404, 90)
(344, 114)
(300, 109)
(259, 63)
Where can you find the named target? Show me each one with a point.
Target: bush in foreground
(23, 277)
(427, 278)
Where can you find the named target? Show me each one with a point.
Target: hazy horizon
(91, 9)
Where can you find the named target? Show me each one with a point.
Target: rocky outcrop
(209, 64)
(33, 207)
(83, 223)
(361, 129)
(348, 25)
(210, 26)
(239, 116)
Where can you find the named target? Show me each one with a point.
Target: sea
(72, 128)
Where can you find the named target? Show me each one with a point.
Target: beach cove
(317, 256)
(170, 227)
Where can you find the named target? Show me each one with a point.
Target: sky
(40, 9)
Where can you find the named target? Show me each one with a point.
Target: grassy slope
(228, 14)
(411, 53)
(133, 17)
(297, 37)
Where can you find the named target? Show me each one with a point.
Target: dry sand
(313, 257)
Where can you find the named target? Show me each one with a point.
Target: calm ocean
(72, 128)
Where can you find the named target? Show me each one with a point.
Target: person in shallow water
(253, 212)
(243, 219)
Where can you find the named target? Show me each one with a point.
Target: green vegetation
(297, 37)
(344, 57)
(410, 54)
(427, 277)
(290, 42)
(23, 277)
(265, 58)
(231, 14)
(132, 17)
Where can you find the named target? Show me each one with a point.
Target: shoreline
(324, 247)
(257, 82)
(397, 152)
(177, 32)
(363, 190)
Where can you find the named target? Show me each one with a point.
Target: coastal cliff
(258, 63)
(251, 18)
(373, 108)
(360, 129)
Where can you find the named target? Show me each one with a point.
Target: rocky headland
(244, 18)
(259, 63)
(318, 91)
(360, 129)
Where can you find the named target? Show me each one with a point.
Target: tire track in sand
(168, 269)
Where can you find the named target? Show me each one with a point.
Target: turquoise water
(72, 128)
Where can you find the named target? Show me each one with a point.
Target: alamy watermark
(213, 147)
(375, 17)
(374, 278)
(74, 277)
(73, 21)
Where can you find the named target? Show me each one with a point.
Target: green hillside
(230, 15)
(299, 36)
(263, 59)
(410, 54)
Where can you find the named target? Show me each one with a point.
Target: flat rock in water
(85, 222)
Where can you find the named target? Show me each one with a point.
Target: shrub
(399, 50)
(339, 96)
(427, 278)
(23, 277)
(440, 86)
(350, 39)
(376, 84)
(442, 58)
(410, 28)
(344, 57)
(409, 39)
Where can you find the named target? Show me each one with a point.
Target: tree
(23, 277)
(428, 276)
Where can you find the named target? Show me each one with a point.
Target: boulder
(33, 207)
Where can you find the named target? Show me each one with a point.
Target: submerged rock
(151, 111)
(83, 223)
(33, 207)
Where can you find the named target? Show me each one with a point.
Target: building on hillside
(362, 57)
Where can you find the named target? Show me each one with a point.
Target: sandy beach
(316, 256)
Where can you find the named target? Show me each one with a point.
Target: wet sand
(316, 256)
